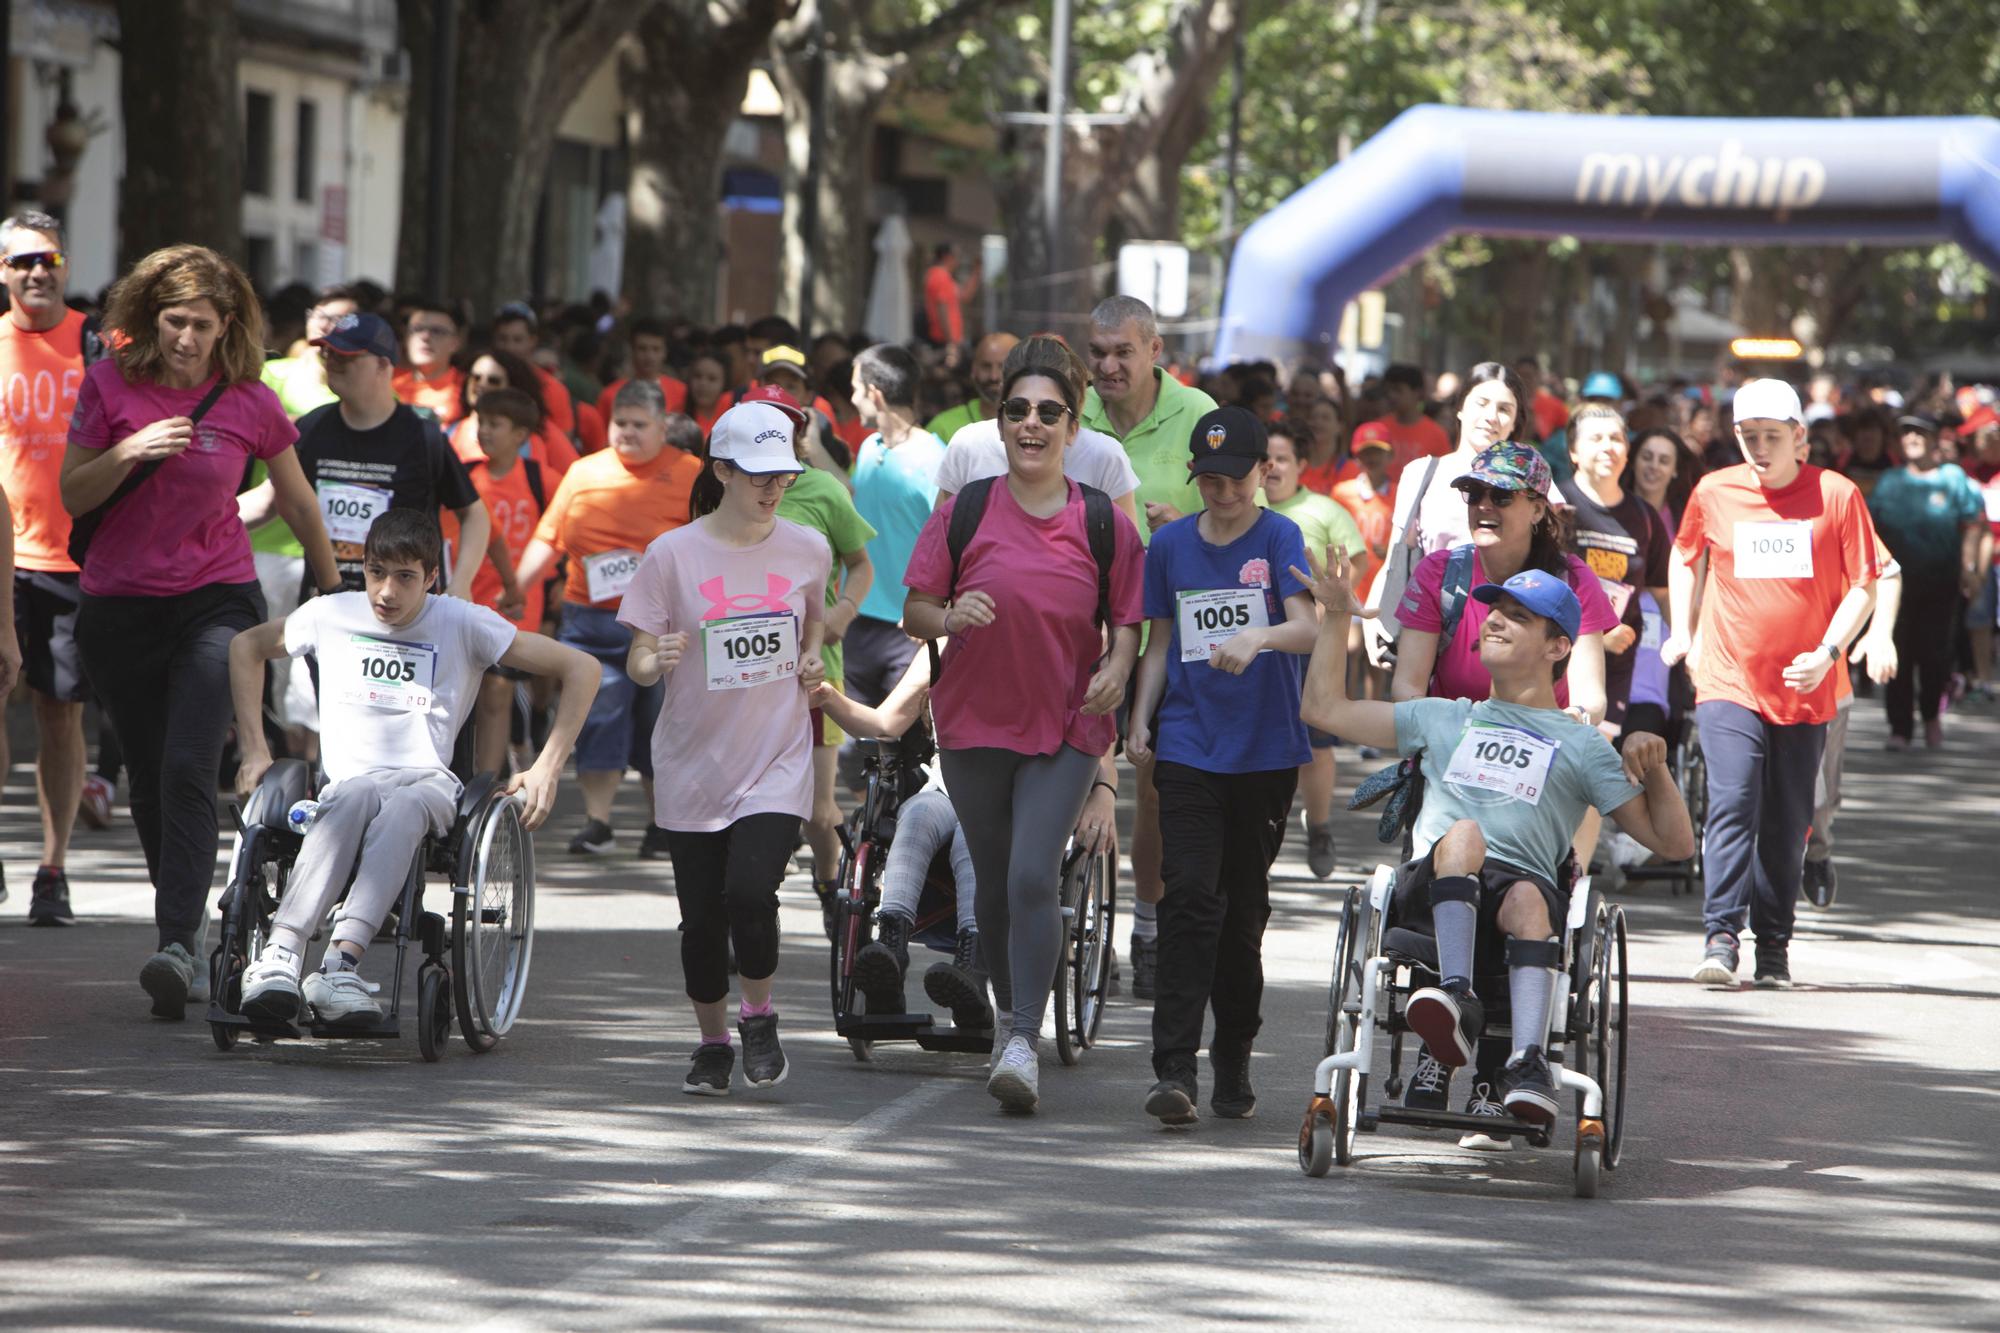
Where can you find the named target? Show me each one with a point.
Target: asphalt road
(1825, 1156)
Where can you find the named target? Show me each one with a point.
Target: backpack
(1454, 591)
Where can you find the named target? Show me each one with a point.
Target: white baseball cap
(756, 438)
(1768, 400)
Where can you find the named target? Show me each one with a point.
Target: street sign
(1157, 273)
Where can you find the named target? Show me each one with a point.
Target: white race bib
(750, 650)
(350, 510)
(1992, 494)
(1774, 550)
(1210, 619)
(1617, 593)
(1502, 759)
(381, 673)
(609, 573)
(1649, 635)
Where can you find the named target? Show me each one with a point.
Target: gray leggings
(925, 826)
(1018, 811)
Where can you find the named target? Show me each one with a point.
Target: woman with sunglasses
(729, 610)
(495, 369)
(1024, 699)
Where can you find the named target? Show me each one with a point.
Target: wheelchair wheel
(1694, 794)
(1612, 986)
(433, 1014)
(1083, 972)
(850, 932)
(493, 926)
(1346, 982)
(1316, 1144)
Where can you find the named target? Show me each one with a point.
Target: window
(305, 173)
(257, 112)
(262, 257)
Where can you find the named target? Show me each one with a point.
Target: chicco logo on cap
(780, 436)
(1218, 434)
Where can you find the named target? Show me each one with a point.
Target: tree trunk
(684, 82)
(183, 127)
(414, 20)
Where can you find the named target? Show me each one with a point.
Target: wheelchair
(1378, 964)
(893, 774)
(477, 965)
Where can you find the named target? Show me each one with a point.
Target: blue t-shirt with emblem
(1209, 719)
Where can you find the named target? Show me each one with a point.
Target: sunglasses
(25, 263)
(1016, 410)
(1475, 492)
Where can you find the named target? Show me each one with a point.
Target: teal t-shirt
(1920, 516)
(1324, 522)
(1524, 775)
(818, 501)
(895, 490)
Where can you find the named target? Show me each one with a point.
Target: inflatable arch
(1438, 170)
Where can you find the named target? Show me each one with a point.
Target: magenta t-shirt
(179, 531)
(1018, 684)
(1459, 674)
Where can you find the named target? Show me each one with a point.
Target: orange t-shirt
(510, 503)
(443, 394)
(605, 506)
(1779, 563)
(1375, 514)
(1422, 438)
(40, 375)
(551, 447)
(675, 390)
(1328, 475)
(941, 294)
(556, 403)
(706, 420)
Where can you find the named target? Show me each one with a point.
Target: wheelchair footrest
(923, 1029)
(1495, 1126)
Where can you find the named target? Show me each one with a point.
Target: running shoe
(1528, 1088)
(595, 840)
(342, 999)
(1820, 883)
(960, 986)
(1233, 1097)
(1319, 850)
(93, 805)
(1449, 1018)
(1481, 1103)
(1145, 958)
(1017, 1079)
(1896, 742)
(708, 1076)
(882, 963)
(49, 905)
(1774, 966)
(763, 1058)
(1430, 1084)
(653, 844)
(166, 977)
(1718, 962)
(271, 986)
(1173, 1099)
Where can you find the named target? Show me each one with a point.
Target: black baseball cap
(360, 335)
(1229, 440)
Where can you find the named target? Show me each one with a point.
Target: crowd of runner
(603, 543)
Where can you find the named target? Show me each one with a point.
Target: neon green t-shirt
(1158, 446)
(948, 423)
(818, 501)
(1323, 521)
(301, 388)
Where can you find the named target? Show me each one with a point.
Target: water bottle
(301, 816)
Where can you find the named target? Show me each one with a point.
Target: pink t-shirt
(723, 753)
(179, 531)
(1459, 674)
(1018, 684)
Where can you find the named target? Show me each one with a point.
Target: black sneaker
(1232, 1098)
(763, 1059)
(1319, 850)
(880, 966)
(1820, 883)
(1528, 1089)
(708, 1076)
(1718, 961)
(1430, 1084)
(1145, 957)
(652, 844)
(960, 985)
(595, 840)
(1449, 1018)
(1173, 1099)
(50, 904)
(1774, 966)
(1481, 1103)
(827, 891)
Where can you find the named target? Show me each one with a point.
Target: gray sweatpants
(924, 827)
(379, 820)
(1018, 811)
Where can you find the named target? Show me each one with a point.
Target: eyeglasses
(1016, 410)
(1475, 492)
(433, 330)
(25, 263)
(764, 481)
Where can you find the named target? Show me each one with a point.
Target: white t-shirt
(1093, 458)
(393, 699)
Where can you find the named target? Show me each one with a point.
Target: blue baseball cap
(1546, 595)
(1602, 384)
(360, 335)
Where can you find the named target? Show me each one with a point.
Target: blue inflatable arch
(1438, 170)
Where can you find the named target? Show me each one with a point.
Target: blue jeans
(618, 734)
(1760, 807)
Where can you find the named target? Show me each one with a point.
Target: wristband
(1106, 785)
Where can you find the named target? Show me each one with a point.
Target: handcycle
(477, 963)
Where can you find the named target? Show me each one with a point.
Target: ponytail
(706, 497)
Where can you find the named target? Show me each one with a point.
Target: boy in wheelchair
(399, 673)
(1507, 781)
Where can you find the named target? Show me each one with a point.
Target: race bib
(1992, 494)
(1649, 634)
(1209, 619)
(1619, 594)
(750, 650)
(1507, 760)
(610, 573)
(1776, 550)
(380, 673)
(350, 510)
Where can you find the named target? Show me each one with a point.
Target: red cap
(778, 398)
(1372, 434)
(1979, 421)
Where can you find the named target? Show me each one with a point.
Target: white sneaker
(271, 985)
(1016, 1080)
(1482, 1102)
(343, 999)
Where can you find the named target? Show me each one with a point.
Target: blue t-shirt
(1524, 775)
(1920, 516)
(1209, 719)
(894, 489)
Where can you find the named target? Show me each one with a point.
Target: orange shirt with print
(1759, 611)
(40, 374)
(510, 503)
(551, 447)
(606, 505)
(442, 393)
(1422, 438)
(675, 390)
(1374, 512)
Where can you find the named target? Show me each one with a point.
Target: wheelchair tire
(1083, 970)
(224, 1035)
(433, 1014)
(1345, 983)
(493, 925)
(1613, 984)
(1316, 1144)
(1350, 1089)
(1588, 1167)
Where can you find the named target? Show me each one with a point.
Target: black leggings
(727, 884)
(1926, 622)
(160, 668)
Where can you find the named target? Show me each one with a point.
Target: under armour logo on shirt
(722, 605)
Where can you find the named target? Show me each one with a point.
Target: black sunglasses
(25, 263)
(1476, 491)
(1016, 410)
